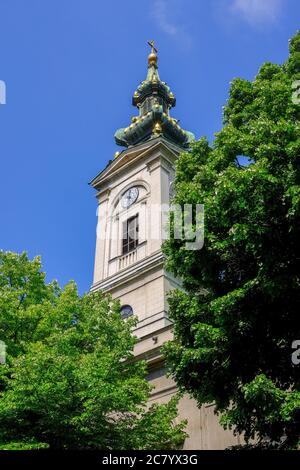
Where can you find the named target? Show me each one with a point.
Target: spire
(154, 100)
(152, 74)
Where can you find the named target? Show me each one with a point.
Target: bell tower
(132, 190)
(129, 263)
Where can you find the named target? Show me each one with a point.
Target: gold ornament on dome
(157, 129)
(152, 57)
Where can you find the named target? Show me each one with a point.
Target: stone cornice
(130, 272)
(128, 156)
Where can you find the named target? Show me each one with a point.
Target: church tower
(129, 264)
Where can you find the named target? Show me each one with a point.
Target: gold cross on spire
(153, 48)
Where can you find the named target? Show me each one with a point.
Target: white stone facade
(138, 278)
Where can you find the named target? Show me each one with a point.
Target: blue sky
(70, 68)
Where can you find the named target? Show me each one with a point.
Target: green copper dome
(154, 100)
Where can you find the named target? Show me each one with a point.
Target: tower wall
(141, 280)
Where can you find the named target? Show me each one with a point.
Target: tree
(70, 380)
(238, 316)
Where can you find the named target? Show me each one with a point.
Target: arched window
(126, 311)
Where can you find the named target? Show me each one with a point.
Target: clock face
(130, 197)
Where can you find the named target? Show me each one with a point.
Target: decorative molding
(130, 273)
(128, 156)
(136, 182)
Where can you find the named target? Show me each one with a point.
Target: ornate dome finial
(152, 57)
(154, 99)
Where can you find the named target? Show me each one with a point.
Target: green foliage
(70, 380)
(24, 445)
(239, 313)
